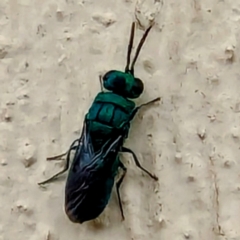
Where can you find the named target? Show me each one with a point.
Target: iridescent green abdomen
(108, 112)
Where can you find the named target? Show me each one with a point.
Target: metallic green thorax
(108, 112)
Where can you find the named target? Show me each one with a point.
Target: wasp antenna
(130, 45)
(139, 49)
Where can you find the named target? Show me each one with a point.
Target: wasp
(96, 160)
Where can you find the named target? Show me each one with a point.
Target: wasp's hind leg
(65, 167)
(58, 157)
(118, 184)
(127, 150)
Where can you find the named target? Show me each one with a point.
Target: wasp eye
(107, 75)
(137, 87)
(115, 81)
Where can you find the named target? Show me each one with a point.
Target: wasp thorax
(124, 84)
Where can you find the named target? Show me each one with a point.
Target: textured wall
(51, 53)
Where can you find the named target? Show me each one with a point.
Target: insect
(106, 125)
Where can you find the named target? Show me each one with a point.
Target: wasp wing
(88, 179)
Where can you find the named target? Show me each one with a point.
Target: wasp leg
(58, 157)
(135, 110)
(127, 150)
(101, 83)
(143, 105)
(61, 172)
(150, 102)
(118, 184)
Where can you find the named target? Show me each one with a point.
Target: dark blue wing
(90, 178)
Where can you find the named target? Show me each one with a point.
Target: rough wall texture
(51, 53)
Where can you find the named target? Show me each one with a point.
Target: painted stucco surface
(51, 53)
